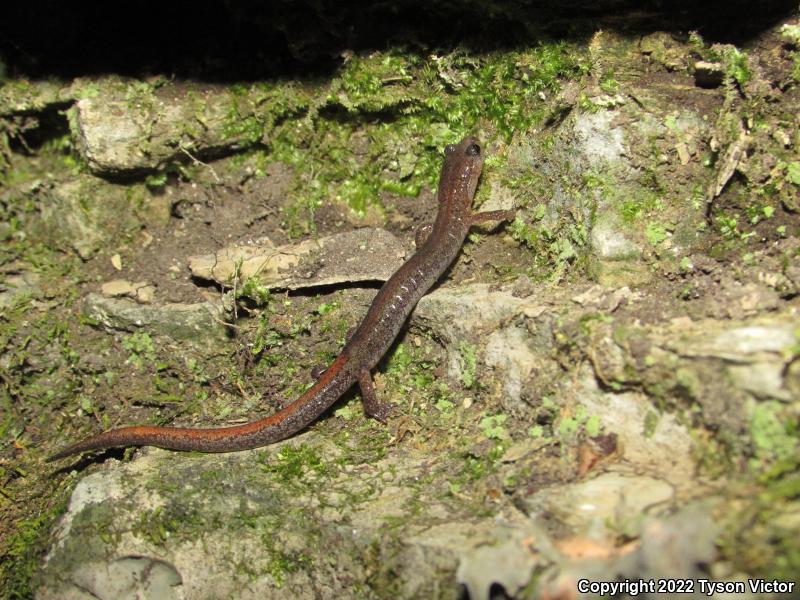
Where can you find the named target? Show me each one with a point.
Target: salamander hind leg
(372, 407)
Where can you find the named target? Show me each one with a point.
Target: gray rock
(85, 213)
(724, 366)
(213, 526)
(368, 254)
(124, 128)
(18, 97)
(495, 322)
(190, 322)
(610, 242)
(599, 142)
(17, 285)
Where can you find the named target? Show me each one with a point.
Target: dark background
(230, 40)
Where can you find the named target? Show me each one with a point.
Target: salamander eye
(473, 150)
(449, 149)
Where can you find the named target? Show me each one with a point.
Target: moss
(469, 354)
(281, 563)
(159, 525)
(22, 552)
(761, 534)
(493, 427)
(736, 66)
(408, 365)
(252, 289)
(477, 467)
(651, 420)
(294, 463)
(141, 348)
(608, 83)
(558, 248)
(424, 103)
(655, 233)
(774, 436)
(734, 60)
(580, 423)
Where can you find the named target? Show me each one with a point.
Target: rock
(670, 547)
(145, 293)
(609, 241)
(118, 287)
(22, 96)
(140, 290)
(676, 546)
(729, 162)
(497, 319)
(683, 153)
(124, 128)
(610, 502)
(597, 176)
(666, 447)
(524, 343)
(86, 213)
(745, 344)
(353, 256)
(523, 287)
(708, 74)
(232, 525)
(190, 322)
(124, 578)
(603, 299)
(17, 285)
(504, 563)
(599, 142)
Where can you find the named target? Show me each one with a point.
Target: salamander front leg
(372, 407)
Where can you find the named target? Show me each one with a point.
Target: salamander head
(463, 163)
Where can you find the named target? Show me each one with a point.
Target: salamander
(437, 246)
